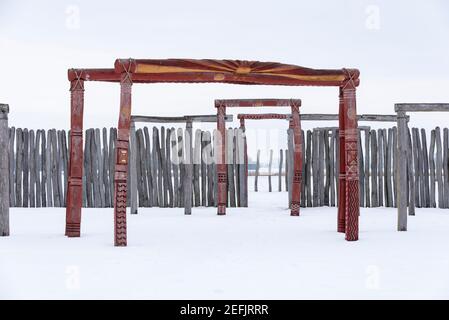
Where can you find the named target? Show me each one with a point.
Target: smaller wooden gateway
(295, 124)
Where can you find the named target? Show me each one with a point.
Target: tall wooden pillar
(342, 167)
(188, 179)
(297, 160)
(401, 169)
(244, 200)
(352, 207)
(75, 180)
(4, 171)
(221, 160)
(122, 153)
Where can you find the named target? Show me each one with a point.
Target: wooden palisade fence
(377, 156)
(38, 167)
(39, 158)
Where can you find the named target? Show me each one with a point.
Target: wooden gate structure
(294, 124)
(188, 120)
(404, 191)
(129, 71)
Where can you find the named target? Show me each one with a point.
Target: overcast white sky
(401, 48)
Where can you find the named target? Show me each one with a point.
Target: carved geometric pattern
(352, 210)
(73, 229)
(120, 214)
(221, 209)
(222, 178)
(297, 178)
(295, 208)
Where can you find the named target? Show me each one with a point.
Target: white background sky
(401, 48)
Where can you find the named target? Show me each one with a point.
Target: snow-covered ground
(256, 253)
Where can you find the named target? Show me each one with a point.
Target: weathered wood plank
(425, 167)
(88, 169)
(38, 168)
(158, 166)
(230, 166)
(12, 169)
(188, 177)
(361, 170)
(203, 169)
(389, 185)
(50, 183)
(25, 166)
(168, 166)
(163, 167)
(380, 168)
(150, 177)
(326, 168)
(401, 166)
(196, 168)
(367, 169)
(32, 169)
(270, 164)
(4, 171)
(432, 170)
(308, 172)
(112, 143)
(281, 161)
(446, 166)
(303, 200)
(417, 170)
(421, 107)
(65, 163)
(411, 180)
(181, 166)
(19, 155)
(315, 168)
(242, 160)
(60, 168)
(395, 174)
(141, 170)
(385, 168)
(175, 166)
(374, 195)
(44, 169)
(210, 170)
(332, 167)
(256, 177)
(439, 167)
(286, 170)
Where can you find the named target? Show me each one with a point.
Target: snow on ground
(256, 253)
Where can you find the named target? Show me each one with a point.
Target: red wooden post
(297, 160)
(221, 159)
(75, 181)
(122, 147)
(351, 156)
(342, 167)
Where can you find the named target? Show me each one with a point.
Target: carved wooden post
(4, 171)
(220, 158)
(352, 207)
(75, 180)
(342, 167)
(297, 163)
(122, 146)
(401, 168)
